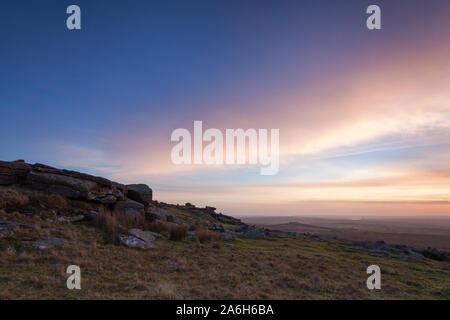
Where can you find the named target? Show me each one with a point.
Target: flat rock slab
(47, 243)
(135, 242)
(146, 236)
(65, 219)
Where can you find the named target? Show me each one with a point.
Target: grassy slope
(274, 268)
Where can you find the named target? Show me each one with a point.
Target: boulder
(134, 242)
(13, 172)
(129, 207)
(140, 193)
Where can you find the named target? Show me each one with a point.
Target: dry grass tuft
(57, 201)
(203, 236)
(109, 223)
(129, 221)
(177, 233)
(11, 198)
(159, 226)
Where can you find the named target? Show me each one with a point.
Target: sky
(364, 115)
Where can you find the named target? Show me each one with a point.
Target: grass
(203, 236)
(159, 226)
(273, 268)
(21, 197)
(200, 268)
(10, 197)
(177, 232)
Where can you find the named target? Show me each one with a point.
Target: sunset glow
(364, 117)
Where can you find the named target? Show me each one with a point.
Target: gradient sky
(364, 116)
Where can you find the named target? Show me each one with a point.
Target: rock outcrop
(13, 172)
(74, 185)
(71, 184)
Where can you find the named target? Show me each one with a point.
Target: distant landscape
(421, 232)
